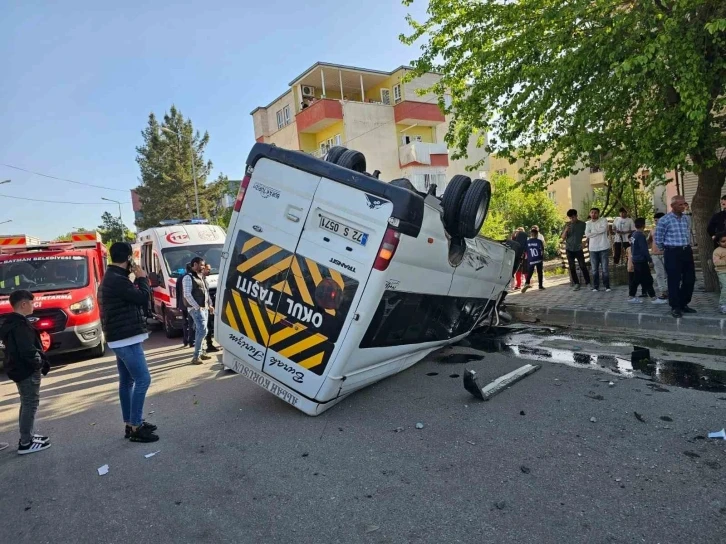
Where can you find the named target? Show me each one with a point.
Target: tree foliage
(165, 160)
(511, 207)
(642, 84)
(113, 230)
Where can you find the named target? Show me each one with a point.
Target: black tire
(334, 153)
(451, 202)
(474, 208)
(99, 350)
(403, 183)
(353, 160)
(169, 329)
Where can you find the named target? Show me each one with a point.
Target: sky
(78, 80)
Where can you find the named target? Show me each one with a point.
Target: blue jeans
(134, 381)
(596, 259)
(200, 318)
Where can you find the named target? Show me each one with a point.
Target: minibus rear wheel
(334, 153)
(474, 208)
(451, 202)
(353, 160)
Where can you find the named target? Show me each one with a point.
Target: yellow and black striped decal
(270, 298)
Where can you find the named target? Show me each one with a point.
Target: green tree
(165, 159)
(511, 207)
(113, 230)
(643, 84)
(612, 197)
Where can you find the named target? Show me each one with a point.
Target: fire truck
(64, 277)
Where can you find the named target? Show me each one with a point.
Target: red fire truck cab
(64, 277)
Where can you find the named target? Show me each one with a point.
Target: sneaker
(658, 301)
(635, 300)
(524, 289)
(595, 289)
(212, 349)
(196, 361)
(677, 314)
(607, 289)
(541, 287)
(204, 357)
(33, 447)
(576, 287)
(143, 434)
(150, 426)
(688, 310)
(663, 297)
(40, 438)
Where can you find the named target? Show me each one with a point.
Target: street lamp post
(194, 173)
(123, 227)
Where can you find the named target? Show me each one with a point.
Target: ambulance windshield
(177, 258)
(43, 273)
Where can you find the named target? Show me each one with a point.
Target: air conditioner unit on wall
(308, 91)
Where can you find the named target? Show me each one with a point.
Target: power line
(63, 179)
(59, 201)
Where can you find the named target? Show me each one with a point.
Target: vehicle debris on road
(102, 471)
(718, 434)
(497, 386)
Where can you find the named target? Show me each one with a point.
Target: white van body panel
(290, 246)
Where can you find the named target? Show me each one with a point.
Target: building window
(552, 195)
(386, 96)
(283, 117)
(396, 94)
(338, 140)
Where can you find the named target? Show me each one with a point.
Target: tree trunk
(704, 205)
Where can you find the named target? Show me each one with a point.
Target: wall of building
(410, 88)
(560, 192)
(259, 121)
(474, 154)
(581, 190)
(374, 93)
(330, 132)
(287, 137)
(307, 142)
(288, 99)
(428, 134)
(369, 128)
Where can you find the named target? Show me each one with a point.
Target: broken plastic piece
(488, 391)
(718, 434)
(102, 471)
(152, 454)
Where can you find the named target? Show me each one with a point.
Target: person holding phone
(122, 305)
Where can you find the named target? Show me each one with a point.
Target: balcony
(422, 153)
(597, 179)
(418, 113)
(319, 116)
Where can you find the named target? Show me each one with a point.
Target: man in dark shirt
(572, 236)
(535, 259)
(640, 256)
(718, 222)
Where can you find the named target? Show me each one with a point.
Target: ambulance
(163, 253)
(332, 280)
(64, 277)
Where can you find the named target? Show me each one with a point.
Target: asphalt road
(236, 464)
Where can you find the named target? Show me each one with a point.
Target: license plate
(349, 233)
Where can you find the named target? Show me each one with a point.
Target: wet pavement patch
(684, 374)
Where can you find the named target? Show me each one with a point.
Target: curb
(712, 327)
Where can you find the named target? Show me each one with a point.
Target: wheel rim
(481, 212)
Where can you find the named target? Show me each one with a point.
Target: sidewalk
(558, 304)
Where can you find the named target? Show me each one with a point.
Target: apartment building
(568, 192)
(400, 131)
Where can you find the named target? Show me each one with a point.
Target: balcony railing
(319, 115)
(418, 113)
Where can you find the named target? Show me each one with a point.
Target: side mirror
(153, 279)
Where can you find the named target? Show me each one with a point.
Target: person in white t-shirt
(596, 232)
(623, 228)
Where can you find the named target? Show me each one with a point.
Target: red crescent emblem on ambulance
(177, 237)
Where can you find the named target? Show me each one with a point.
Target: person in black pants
(572, 236)
(187, 333)
(535, 259)
(210, 321)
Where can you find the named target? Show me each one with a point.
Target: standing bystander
(122, 305)
(24, 363)
(641, 265)
(673, 237)
(596, 232)
(661, 279)
(572, 236)
(196, 297)
(187, 325)
(719, 262)
(717, 224)
(535, 259)
(623, 227)
(211, 348)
